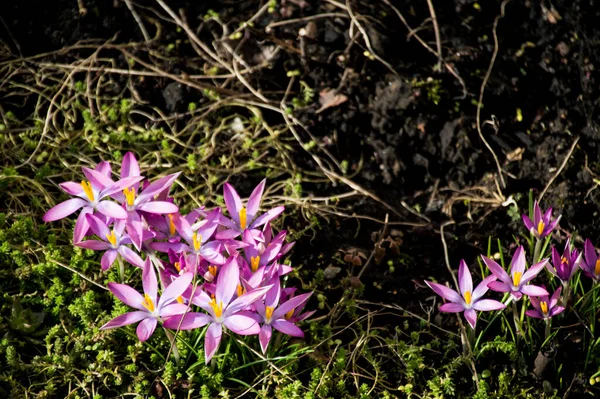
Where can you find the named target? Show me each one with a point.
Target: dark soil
(411, 135)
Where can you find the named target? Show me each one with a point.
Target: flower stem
(548, 329)
(121, 269)
(517, 322)
(537, 250)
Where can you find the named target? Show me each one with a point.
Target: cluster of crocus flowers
(223, 272)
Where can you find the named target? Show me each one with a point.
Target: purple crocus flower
(297, 315)
(468, 301)
(544, 308)
(277, 317)
(541, 225)
(151, 307)
(591, 266)
(91, 196)
(221, 310)
(516, 283)
(113, 242)
(244, 217)
(565, 266)
(258, 253)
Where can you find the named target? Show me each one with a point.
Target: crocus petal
(291, 304)
(94, 245)
(135, 229)
(555, 310)
(533, 290)
(159, 207)
(471, 317)
(108, 259)
(119, 186)
(264, 337)
(190, 321)
(287, 328)
(242, 324)
(104, 168)
(176, 247)
(64, 209)
(533, 271)
(537, 214)
(500, 286)
(98, 227)
(97, 179)
(528, 223)
(534, 313)
(272, 296)
(125, 319)
(517, 264)
(212, 340)
(497, 270)
(452, 307)
(111, 209)
(173, 309)
(552, 225)
(72, 188)
(130, 256)
(82, 226)
(555, 297)
(246, 300)
(590, 255)
(267, 217)
(465, 282)
(149, 281)
(176, 288)
(228, 280)
(254, 200)
(156, 188)
(482, 287)
(129, 166)
(146, 328)
(127, 295)
(488, 304)
(445, 292)
(232, 202)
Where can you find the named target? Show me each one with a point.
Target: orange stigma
(517, 278)
(289, 314)
(172, 229)
(217, 308)
(180, 299)
(177, 266)
(147, 303)
(129, 196)
(212, 270)
(540, 227)
(242, 215)
(468, 297)
(269, 312)
(544, 307)
(87, 189)
(254, 262)
(197, 241)
(240, 290)
(112, 238)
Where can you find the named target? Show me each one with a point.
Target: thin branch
(560, 169)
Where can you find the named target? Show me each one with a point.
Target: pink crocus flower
(517, 282)
(591, 265)
(244, 217)
(151, 307)
(222, 310)
(542, 225)
(90, 195)
(565, 266)
(278, 317)
(112, 241)
(257, 253)
(544, 307)
(469, 300)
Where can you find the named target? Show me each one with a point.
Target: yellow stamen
(217, 308)
(517, 278)
(87, 189)
(240, 290)
(597, 268)
(289, 314)
(269, 312)
(254, 262)
(112, 238)
(212, 270)
(541, 227)
(129, 196)
(243, 218)
(177, 266)
(172, 228)
(564, 260)
(147, 303)
(468, 297)
(197, 240)
(180, 299)
(544, 307)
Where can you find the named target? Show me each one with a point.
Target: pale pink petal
(176, 288)
(528, 223)
(452, 307)
(119, 186)
(246, 300)
(254, 200)
(290, 305)
(156, 188)
(129, 166)
(445, 292)
(555, 297)
(94, 245)
(242, 324)
(232, 202)
(135, 229)
(72, 188)
(496, 270)
(500, 286)
(227, 282)
(534, 313)
(127, 295)
(82, 226)
(104, 168)
(173, 309)
(264, 337)
(533, 290)
(108, 259)
(212, 340)
(471, 317)
(482, 287)
(98, 227)
(111, 209)
(125, 319)
(288, 328)
(537, 214)
(98, 180)
(555, 310)
(130, 256)
(159, 207)
(533, 271)
(146, 328)
(149, 281)
(517, 264)
(488, 304)
(465, 282)
(190, 321)
(267, 217)
(64, 209)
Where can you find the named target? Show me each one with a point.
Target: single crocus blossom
(565, 266)
(275, 315)
(517, 282)
(544, 308)
(542, 225)
(112, 241)
(221, 310)
(244, 217)
(468, 300)
(591, 265)
(151, 307)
